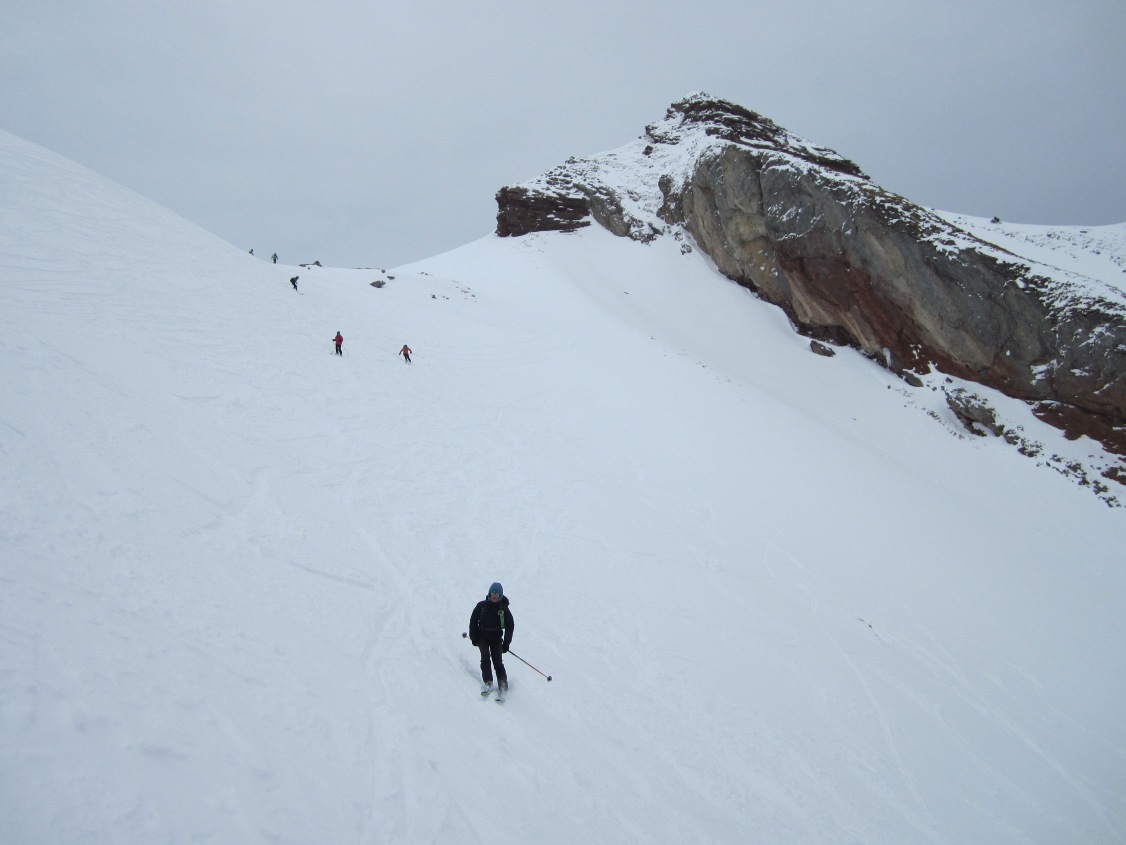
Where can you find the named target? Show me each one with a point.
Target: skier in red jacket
(406, 353)
(339, 341)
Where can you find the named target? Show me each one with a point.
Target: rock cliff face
(849, 262)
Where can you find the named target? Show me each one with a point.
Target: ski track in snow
(779, 601)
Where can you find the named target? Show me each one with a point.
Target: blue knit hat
(496, 588)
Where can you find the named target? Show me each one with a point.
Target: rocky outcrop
(565, 202)
(850, 263)
(974, 412)
(523, 212)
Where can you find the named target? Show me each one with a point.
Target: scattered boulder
(974, 412)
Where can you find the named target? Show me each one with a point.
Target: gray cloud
(378, 135)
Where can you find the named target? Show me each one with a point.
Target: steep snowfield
(781, 598)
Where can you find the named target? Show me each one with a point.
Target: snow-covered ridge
(638, 176)
(1097, 253)
(670, 149)
(74, 210)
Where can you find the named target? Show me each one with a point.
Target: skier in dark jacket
(490, 629)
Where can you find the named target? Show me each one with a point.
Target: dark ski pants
(491, 656)
(338, 352)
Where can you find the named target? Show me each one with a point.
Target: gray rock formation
(849, 263)
(973, 411)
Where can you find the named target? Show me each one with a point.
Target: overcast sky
(363, 133)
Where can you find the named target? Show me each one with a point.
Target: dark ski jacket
(491, 622)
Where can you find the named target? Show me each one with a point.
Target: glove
(473, 643)
(504, 649)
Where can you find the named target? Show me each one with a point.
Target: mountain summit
(849, 262)
(626, 190)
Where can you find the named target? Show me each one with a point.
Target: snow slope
(1095, 252)
(781, 598)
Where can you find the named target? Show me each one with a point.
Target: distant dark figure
(293, 282)
(275, 258)
(339, 341)
(406, 353)
(252, 252)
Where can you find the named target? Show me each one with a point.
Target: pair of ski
(487, 691)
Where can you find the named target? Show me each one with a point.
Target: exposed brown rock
(850, 263)
(521, 212)
(1075, 423)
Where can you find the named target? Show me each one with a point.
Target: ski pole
(518, 657)
(526, 663)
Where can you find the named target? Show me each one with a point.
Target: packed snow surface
(781, 598)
